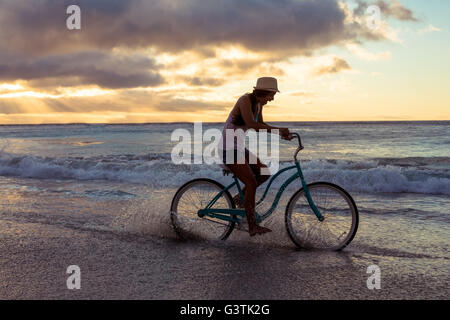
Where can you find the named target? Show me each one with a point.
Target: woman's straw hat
(267, 83)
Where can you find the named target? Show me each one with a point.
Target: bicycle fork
(307, 194)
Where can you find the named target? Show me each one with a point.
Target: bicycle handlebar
(293, 135)
(300, 146)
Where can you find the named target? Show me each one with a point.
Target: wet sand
(126, 249)
(116, 265)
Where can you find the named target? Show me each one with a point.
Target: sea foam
(369, 176)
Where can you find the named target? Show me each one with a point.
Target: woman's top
(235, 121)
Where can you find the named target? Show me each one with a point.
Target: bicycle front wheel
(196, 195)
(340, 214)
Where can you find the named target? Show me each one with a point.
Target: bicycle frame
(228, 214)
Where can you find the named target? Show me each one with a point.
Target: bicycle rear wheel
(193, 196)
(340, 218)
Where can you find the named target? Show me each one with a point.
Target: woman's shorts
(241, 157)
(234, 156)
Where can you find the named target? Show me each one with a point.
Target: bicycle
(319, 215)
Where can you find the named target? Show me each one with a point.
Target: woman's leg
(257, 171)
(245, 173)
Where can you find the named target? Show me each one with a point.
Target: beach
(112, 115)
(125, 267)
(134, 254)
(98, 197)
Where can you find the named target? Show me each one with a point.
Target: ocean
(121, 178)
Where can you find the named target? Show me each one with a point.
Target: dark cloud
(235, 68)
(393, 8)
(203, 81)
(38, 27)
(36, 46)
(397, 10)
(337, 66)
(85, 68)
(240, 65)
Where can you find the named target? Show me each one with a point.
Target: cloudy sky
(189, 60)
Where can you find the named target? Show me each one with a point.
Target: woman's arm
(245, 107)
(260, 120)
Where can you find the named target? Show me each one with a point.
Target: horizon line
(175, 122)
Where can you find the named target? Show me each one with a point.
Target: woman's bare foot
(257, 230)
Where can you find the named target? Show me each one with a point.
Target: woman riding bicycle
(247, 114)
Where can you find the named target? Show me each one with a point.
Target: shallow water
(120, 178)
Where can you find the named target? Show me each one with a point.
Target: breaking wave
(408, 175)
